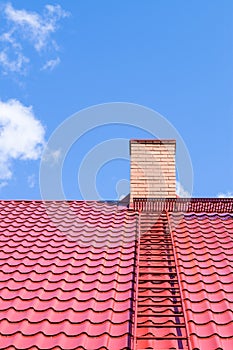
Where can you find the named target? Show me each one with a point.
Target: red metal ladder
(160, 320)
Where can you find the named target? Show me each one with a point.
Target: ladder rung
(161, 296)
(159, 280)
(155, 260)
(160, 305)
(158, 254)
(180, 315)
(180, 325)
(156, 244)
(157, 273)
(159, 267)
(159, 288)
(162, 338)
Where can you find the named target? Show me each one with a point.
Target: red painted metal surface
(66, 275)
(160, 319)
(204, 250)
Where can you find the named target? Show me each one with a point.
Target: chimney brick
(152, 170)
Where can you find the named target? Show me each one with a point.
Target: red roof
(204, 251)
(67, 275)
(185, 274)
(74, 275)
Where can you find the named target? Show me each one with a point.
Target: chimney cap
(171, 141)
(152, 141)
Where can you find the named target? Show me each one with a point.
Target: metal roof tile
(66, 275)
(204, 249)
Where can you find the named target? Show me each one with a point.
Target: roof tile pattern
(204, 251)
(66, 275)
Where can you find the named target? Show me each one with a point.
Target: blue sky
(57, 58)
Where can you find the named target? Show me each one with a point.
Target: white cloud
(14, 65)
(225, 195)
(27, 27)
(3, 184)
(11, 57)
(8, 38)
(51, 156)
(31, 180)
(181, 192)
(51, 64)
(34, 27)
(21, 136)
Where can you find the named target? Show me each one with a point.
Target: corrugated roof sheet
(67, 275)
(203, 244)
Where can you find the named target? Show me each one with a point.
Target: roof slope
(203, 244)
(66, 276)
(201, 232)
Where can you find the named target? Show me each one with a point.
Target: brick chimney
(152, 169)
